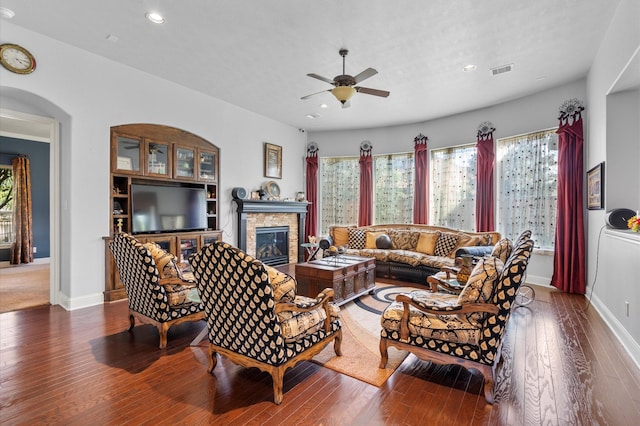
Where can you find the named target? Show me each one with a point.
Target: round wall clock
(17, 59)
(272, 189)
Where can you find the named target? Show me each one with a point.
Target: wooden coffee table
(349, 276)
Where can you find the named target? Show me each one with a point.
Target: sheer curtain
(421, 187)
(393, 188)
(365, 211)
(453, 187)
(22, 248)
(339, 183)
(527, 186)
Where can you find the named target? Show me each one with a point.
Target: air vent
(502, 69)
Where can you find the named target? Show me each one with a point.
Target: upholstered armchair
(156, 290)
(465, 328)
(255, 319)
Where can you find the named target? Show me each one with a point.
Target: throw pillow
(357, 238)
(404, 240)
(341, 235)
(466, 240)
(165, 262)
(446, 244)
(383, 242)
(284, 286)
(502, 249)
(481, 286)
(427, 242)
(371, 238)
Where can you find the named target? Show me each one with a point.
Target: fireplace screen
(272, 245)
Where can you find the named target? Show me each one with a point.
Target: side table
(311, 249)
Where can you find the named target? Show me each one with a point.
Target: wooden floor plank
(560, 365)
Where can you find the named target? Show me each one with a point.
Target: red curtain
(484, 183)
(311, 222)
(365, 208)
(569, 267)
(421, 186)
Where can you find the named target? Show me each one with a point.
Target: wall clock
(272, 189)
(17, 59)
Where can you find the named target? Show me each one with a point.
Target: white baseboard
(80, 302)
(631, 346)
(538, 280)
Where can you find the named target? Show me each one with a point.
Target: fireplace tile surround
(254, 214)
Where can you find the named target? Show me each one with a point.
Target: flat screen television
(161, 208)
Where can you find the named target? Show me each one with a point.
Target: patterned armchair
(156, 290)
(465, 328)
(255, 318)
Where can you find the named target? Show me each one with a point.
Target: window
(453, 187)
(340, 190)
(6, 205)
(339, 186)
(527, 176)
(393, 188)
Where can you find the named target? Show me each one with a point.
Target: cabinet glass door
(128, 155)
(158, 159)
(207, 169)
(185, 163)
(188, 246)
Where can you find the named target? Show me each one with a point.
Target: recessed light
(313, 116)
(7, 13)
(469, 67)
(542, 77)
(324, 106)
(154, 17)
(112, 38)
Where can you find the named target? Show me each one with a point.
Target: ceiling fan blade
(369, 72)
(313, 94)
(319, 77)
(374, 92)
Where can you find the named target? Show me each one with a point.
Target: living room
(89, 98)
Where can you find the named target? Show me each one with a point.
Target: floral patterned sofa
(407, 252)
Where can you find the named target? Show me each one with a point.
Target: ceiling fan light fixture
(343, 93)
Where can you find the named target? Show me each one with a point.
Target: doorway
(37, 283)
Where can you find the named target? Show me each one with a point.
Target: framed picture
(124, 163)
(272, 161)
(595, 187)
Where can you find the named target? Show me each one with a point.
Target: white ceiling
(256, 54)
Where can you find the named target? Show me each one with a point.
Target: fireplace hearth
(272, 245)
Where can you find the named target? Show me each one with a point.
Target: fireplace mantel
(246, 207)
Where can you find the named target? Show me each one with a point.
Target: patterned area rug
(361, 337)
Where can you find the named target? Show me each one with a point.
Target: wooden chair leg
(132, 322)
(487, 373)
(162, 329)
(213, 359)
(337, 343)
(384, 355)
(278, 379)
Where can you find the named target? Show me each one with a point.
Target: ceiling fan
(345, 85)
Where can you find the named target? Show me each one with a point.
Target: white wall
(535, 112)
(617, 281)
(96, 94)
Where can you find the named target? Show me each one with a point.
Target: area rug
(361, 337)
(24, 286)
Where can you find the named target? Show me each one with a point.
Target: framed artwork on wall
(595, 187)
(272, 161)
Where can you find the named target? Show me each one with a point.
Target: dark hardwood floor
(561, 366)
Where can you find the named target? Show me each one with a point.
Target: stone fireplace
(255, 214)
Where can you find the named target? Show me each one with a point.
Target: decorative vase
(465, 266)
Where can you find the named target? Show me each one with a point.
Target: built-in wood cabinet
(159, 155)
